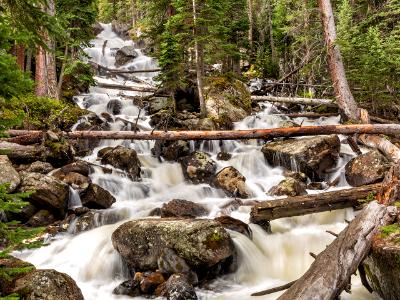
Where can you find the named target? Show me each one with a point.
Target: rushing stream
(266, 261)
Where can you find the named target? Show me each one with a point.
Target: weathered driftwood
(382, 144)
(126, 87)
(330, 273)
(305, 101)
(302, 205)
(228, 134)
(275, 289)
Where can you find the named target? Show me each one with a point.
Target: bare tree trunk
(28, 67)
(251, 25)
(393, 129)
(274, 55)
(342, 90)
(199, 62)
(61, 77)
(46, 77)
(21, 56)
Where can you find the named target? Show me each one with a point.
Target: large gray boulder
(125, 55)
(8, 174)
(312, 155)
(47, 285)
(48, 192)
(232, 182)
(171, 150)
(367, 168)
(122, 158)
(198, 167)
(203, 244)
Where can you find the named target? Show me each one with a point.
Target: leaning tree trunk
(199, 62)
(345, 99)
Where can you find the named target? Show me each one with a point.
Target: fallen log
(126, 87)
(275, 289)
(383, 145)
(330, 273)
(308, 204)
(393, 129)
(305, 101)
(116, 71)
(308, 115)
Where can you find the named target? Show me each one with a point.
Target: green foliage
(390, 229)
(78, 77)
(12, 235)
(32, 112)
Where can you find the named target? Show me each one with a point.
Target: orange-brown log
(393, 129)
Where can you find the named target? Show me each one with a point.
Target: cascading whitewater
(265, 261)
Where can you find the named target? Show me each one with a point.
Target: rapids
(266, 261)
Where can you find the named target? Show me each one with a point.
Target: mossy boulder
(313, 156)
(203, 244)
(11, 269)
(198, 167)
(47, 285)
(367, 168)
(382, 265)
(227, 98)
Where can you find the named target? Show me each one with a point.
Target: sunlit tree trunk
(251, 25)
(199, 62)
(21, 56)
(46, 77)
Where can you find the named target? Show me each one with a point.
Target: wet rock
(299, 176)
(76, 180)
(40, 167)
(11, 269)
(49, 192)
(170, 263)
(198, 167)
(97, 28)
(177, 288)
(316, 186)
(157, 104)
(107, 117)
(234, 225)
(49, 285)
(171, 150)
(121, 29)
(129, 288)
(312, 156)
(232, 182)
(84, 221)
(288, 187)
(150, 281)
(367, 168)
(96, 197)
(8, 174)
(24, 214)
(180, 120)
(125, 55)
(382, 265)
(42, 218)
(203, 244)
(123, 158)
(80, 167)
(114, 106)
(225, 156)
(182, 208)
(288, 124)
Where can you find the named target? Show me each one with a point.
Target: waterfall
(74, 199)
(266, 260)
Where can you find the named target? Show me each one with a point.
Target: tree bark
(306, 101)
(274, 55)
(302, 205)
(251, 25)
(40, 73)
(330, 273)
(393, 129)
(199, 61)
(21, 56)
(344, 97)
